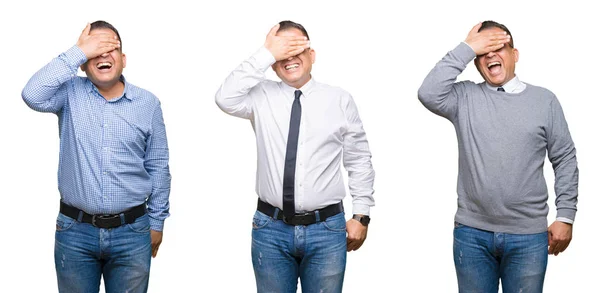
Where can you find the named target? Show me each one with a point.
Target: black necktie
(289, 172)
(501, 89)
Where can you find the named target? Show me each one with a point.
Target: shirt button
(300, 184)
(105, 125)
(104, 172)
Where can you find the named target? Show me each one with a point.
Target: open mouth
(495, 67)
(104, 66)
(292, 66)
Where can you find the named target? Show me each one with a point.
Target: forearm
(158, 207)
(566, 183)
(45, 91)
(438, 93)
(361, 175)
(233, 95)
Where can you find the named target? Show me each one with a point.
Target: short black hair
(101, 24)
(490, 23)
(288, 24)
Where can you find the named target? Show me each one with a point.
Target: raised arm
(234, 97)
(47, 89)
(439, 92)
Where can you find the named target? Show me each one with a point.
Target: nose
(104, 55)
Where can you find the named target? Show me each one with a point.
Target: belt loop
(80, 217)
(276, 213)
(122, 216)
(317, 216)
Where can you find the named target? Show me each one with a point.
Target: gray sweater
(502, 144)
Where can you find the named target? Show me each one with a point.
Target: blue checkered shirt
(113, 154)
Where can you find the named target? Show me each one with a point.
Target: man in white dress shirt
(304, 130)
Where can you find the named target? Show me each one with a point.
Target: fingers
(295, 52)
(558, 246)
(155, 249)
(353, 244)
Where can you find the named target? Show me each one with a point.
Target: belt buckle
(285, 219)
(299, 219)
(102, 217)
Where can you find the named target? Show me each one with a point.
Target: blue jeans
(482, 258)
(83, 253)
(283, 253)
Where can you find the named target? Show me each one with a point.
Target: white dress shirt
(330, 130)
(513, 86)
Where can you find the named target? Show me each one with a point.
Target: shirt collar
(512, 86)
(305, 89)
(128, 92)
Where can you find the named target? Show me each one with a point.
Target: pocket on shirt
(141, 224)
(336, 223)
(64, 223)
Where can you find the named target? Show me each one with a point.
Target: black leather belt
(302, 218)
(103, 221)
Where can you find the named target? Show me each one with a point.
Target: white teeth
(291, 66)
(104, 64)
(493, 63)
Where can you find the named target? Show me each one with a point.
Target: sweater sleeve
(440, 92)
(562, 155)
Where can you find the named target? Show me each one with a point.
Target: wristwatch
(362, 219)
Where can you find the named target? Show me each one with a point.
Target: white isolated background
(379, 51)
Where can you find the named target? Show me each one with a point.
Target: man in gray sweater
(504, 128)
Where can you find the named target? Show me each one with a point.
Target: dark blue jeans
(283, 253)
(83, 253)
(482, 258)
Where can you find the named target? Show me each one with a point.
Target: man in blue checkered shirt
(113, 174)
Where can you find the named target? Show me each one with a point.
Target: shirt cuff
(464, 53)
(156, 225)
(565, 220)
(566, 213)
(360, 209)
(264, 59)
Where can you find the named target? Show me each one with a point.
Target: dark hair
(490, 24)
(288, 24)
(101, 24)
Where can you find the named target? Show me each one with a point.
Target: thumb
(86, 30)
(475, 29)
(273, 30)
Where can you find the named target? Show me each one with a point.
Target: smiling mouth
(292, 66)
(104, 65)
(494, 67)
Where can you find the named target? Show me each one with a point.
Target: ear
(516, 54)
(313, 55)
(124, 60)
